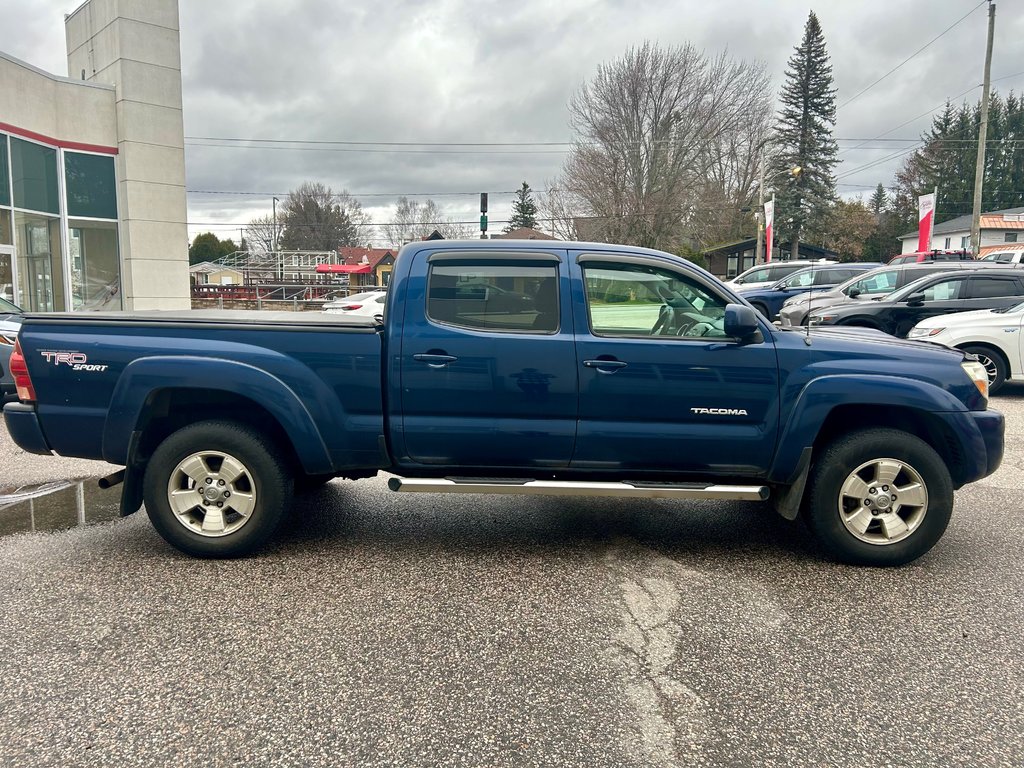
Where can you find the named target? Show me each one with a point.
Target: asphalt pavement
(387, 629)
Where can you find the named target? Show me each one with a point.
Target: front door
(488, 369)
(661, 386)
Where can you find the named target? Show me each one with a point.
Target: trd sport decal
(75, 360)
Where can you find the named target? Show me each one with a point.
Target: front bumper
(980, 451)
(23, 427)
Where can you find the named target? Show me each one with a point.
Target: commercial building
(998, 229)
(92, 166)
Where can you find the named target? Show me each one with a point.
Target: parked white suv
(769, 274)
(1012, 255)
(994, 335)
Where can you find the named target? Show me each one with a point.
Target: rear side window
(520, 298)
(1000, 258)
(994, 287)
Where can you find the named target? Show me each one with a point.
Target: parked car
(940, 294)
(920, 257)
(767, 274)
(1012, 255)
(873, 285)
(10, 323)
(993, 335)
(673, 393)
(367, 304)
(768, 301)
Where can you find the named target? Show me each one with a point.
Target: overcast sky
(490, 71)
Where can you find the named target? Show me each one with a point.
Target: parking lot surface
(400, 630)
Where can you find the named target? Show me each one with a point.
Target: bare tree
(657, 131)
(259, 235)
(414, 221)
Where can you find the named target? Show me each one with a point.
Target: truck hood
(872, 342)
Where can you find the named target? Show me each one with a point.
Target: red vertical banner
(769, 228)
(925, 221)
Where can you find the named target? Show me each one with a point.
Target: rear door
(661, 386)
(992, 292)
(487, 361)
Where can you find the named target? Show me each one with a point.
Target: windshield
(7, 307)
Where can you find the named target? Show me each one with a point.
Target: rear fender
(145, 376)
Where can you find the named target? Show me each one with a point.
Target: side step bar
(642, 490)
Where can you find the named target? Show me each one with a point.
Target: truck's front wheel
(879, 497)
(217, 489)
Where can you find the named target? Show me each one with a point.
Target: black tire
(925, 522)
(994, 364)
(266, 486)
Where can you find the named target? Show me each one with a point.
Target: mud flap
(131, 493)
(787, 502)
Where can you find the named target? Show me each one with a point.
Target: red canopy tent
(350, 269)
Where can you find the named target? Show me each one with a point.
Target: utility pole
(979, 168)
(759, 252)
(273, 239)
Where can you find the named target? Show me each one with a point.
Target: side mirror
(853, 293)
(741, 322)
(915, 300)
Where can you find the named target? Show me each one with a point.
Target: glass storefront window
(90, 186)
(34, 172)
(40, 266)
(5, 227)
(95, 269)
(5, 178)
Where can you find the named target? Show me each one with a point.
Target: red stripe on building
(57, 142)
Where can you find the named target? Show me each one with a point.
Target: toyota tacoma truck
(513, 367)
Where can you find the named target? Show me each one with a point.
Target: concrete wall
(56, 107)
(133, 45)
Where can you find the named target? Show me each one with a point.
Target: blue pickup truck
(617, 371)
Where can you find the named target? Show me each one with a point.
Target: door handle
(434, 361)
(605, 366)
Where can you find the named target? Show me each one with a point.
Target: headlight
(819, 319)
(976, 372)
(920, 333)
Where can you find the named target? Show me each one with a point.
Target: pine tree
(879, 201)
(524, 210)
(803, 140)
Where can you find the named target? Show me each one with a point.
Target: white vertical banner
(925, 221)
(769, 227)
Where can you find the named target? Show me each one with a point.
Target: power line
(359, 194)
(915, 53)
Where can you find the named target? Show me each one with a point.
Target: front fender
(143, 377)
(826, 393)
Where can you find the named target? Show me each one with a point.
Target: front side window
(799, 280)
(883, 282)
(640, 301)
(494, 297)
(946, 290)
(762, 275)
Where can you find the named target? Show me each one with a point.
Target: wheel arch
(992, 348)
(832, 405)
(156, 396)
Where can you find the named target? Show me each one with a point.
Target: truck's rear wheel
(217, 489)
(879, 497)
